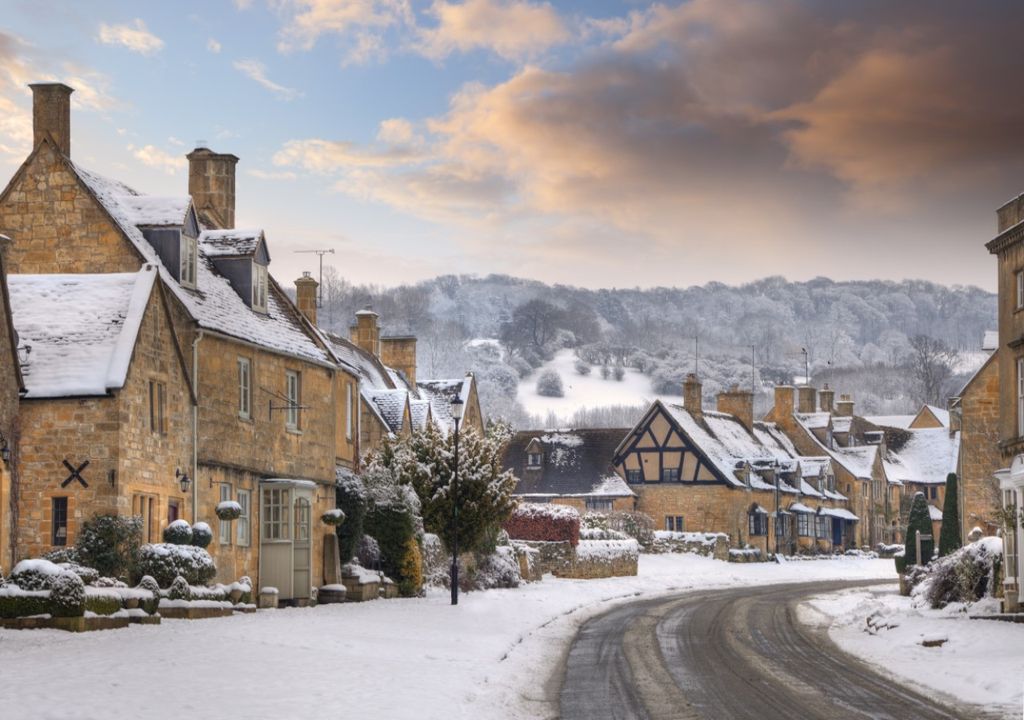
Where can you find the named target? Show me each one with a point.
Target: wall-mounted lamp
(183, 480)
(5, 449)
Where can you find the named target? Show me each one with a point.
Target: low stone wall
(715, 545)
(589, 559)
(745, 555)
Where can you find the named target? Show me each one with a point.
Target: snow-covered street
(488, 658)
(978, 661)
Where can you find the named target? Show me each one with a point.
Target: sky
(592, 143)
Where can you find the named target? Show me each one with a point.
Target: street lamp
(183, 480)
(457, 407)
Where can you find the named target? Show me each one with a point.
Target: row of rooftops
(74, 330)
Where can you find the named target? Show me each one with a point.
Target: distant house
(720, 471)
(975, 412)
(930, 416)
(569, 467)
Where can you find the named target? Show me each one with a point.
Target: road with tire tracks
(734, 654)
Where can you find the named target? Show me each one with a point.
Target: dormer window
(534, 460)
(187, 259)
(259, 287)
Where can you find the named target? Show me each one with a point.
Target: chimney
(305, 296)
(400, 353)
(51, 115)
(739, 403)
(783, 402)
(365, 333)
(1008, 215)
(692, 395)
(844, 407)
(826, 398)
(211, 183)
(806, 399)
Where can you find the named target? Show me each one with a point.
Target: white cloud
(213, 46)
(257, 71)
(510, 28)
(361, 23)
(154, 157)
(135, 36)
(271, 175)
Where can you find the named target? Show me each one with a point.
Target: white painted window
(293, 391)
(275, 514)
(674, 523)
(259, 287)
(1020, 289)
(599, 505)
(534, 459)
(1020, 397)
(348, 411)
(244, 388)
(187, 261)
(224, 526)
(242, 524)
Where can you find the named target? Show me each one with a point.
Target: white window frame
(259, 287)
(675, 523)
(224, 526)
(599, 505)
(348, 411)
(244, 522)
(293, 391)
(534, 459)
(187, 252)
(1019, 277)
(245, 388)
(671, 475)
(275, 515)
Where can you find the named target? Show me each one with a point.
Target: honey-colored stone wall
(126, 458)
(1011, 327)
(262, 443)
(346, 445)
(979, 452)
(56, 225)
(9, 425)
(400, 353)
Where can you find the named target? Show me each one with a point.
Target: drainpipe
(195, 427)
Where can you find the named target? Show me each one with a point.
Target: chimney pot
(366, 333)
(51, 115)
(739, 403)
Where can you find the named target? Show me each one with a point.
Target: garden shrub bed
(544, 522)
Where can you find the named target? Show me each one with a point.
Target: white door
(276, 538)
(301, 555)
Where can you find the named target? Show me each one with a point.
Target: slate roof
(215, 305)
(928, 456)
(440, 393)
(390, 405)
(230, 243)
(81, 329)
(576, 463)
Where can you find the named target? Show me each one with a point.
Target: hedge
(551, 523)
(164, 562)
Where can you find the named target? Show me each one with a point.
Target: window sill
(293, 431)
(246, 419)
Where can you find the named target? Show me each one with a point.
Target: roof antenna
(320, 289)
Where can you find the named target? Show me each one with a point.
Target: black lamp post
(457, 407)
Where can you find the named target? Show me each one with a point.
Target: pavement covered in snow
(492, 656)
(978, 661)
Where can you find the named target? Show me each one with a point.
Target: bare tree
(931, 362)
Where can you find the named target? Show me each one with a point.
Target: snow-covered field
(981, 661)
(490, 657)
(585, 391)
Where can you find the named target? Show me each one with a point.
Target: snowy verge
(973, 661)
(495, 655)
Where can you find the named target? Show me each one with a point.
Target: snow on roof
(839, 513)
(440, 394)
(815, 420)
(726, 441)
(81, 328)
(390, 404)
(800, 508)
(841, 423)
(372, 372)
(934, 513)
(154, 210)
(223, 243)
(927, 457)
(214, 304)
(575, 463)
(859, 461)
(940, 414)
(990, 341)
(901, 422)
(419, 411)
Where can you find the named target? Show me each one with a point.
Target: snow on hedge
(544, 522)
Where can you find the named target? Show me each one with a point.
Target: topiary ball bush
(178, 532)
(180, 589)
(228, 510)
(333, 517)
(34, 574)
(202, 535)
(148, 583)
(67, 595)
(165, 562)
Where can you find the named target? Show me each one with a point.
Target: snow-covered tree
(549, 384)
